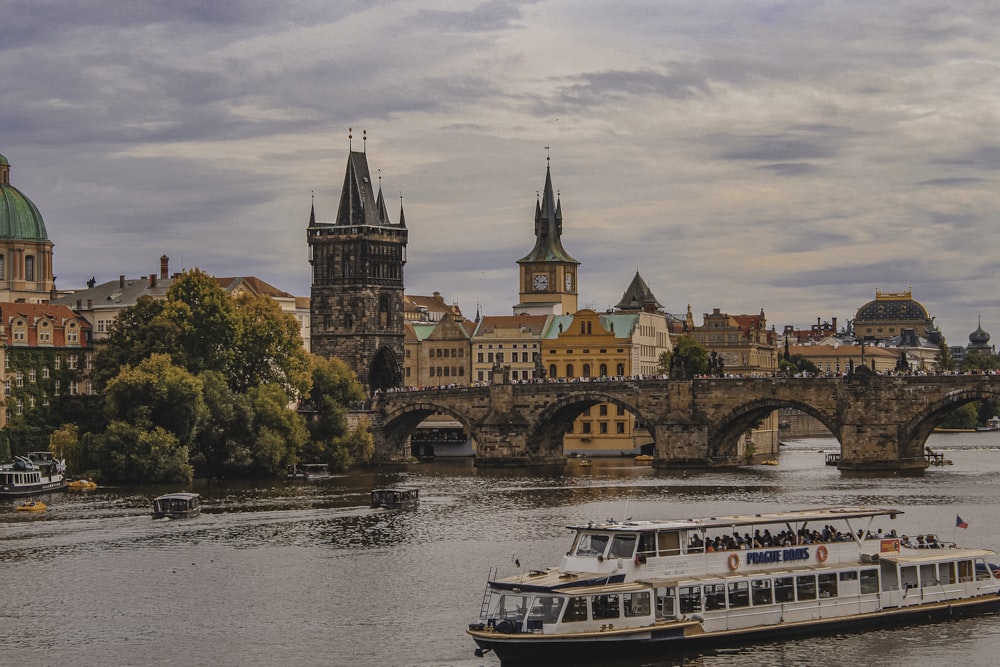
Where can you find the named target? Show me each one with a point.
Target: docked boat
(81, 485)
(652, 588)
(309, 471)
(395, 497)
(644, 458)
(176, 506)
(38, 472)
(31, 506)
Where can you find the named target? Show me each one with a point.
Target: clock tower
(548, 275)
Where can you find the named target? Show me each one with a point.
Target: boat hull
(33, 489)
(678, 639)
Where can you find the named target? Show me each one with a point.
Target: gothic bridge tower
(356, 304)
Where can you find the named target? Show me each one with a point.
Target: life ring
(821, 553)
(734, 561)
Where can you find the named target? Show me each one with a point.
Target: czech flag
(959, 523)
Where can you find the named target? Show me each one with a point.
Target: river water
(306, 574)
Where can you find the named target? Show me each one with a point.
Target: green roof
(19, 217)
(3, 160)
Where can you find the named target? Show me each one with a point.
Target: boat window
(546, 608)
(715, 596)
(647, 544)
(622, 546)
(869, 581)
(669, 543)
(928, 574)
(739, 594)
(605, 606)
(946, 573)
(965, 570)
(850, 575)
(636, 604)
(690, 599)
(576, 610)
(513, 606)
(591, 544)
(908, 577)
(982, 572)
(665, 602)
(827, 585)
(784, 589)
(761, 589)
(805, 586)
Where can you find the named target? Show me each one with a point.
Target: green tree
(692, 355)
(977, 360)
(334, 388)
(278, 434)
(267, 347)
(135, 454)
(224, 439)
(139, 332)
(945, 359)
(64, 443)
(796, 363)
(965, 416)
(205, 319)
(156, 393)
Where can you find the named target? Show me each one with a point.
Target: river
(306, 574)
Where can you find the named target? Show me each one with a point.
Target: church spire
(548, 227)
(402, 217)
(312, 210)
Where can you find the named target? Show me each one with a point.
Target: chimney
(79, 303)
(833, 321)
(164, 267)
(90, 303)
(152, 280)
(121, 282)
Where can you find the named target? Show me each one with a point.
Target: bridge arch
(914, 433)
(545, 434)
(724, 433)
(399, 424)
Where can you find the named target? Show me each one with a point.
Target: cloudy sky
(790, 156)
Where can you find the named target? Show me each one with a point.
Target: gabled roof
(254, 285)
(638, 296)
(530, 325)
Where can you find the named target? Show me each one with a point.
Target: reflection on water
(306, 573)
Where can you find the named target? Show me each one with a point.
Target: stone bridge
(881, 422)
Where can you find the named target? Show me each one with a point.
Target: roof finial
(546, 155)
(364, 140)
(379, 179)
(350, 136)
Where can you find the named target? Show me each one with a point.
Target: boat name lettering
(777, 556)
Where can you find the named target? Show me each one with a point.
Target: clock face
(540, 282)
(569, 281)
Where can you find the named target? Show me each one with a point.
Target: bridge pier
(875, 447)
(681, 445)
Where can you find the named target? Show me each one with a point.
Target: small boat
(769, 462)
(644, 458)
(309, 471)
(656, 588)
(81, 485)
(395, 497)
(31, 506)
(176, 505)
(992, 424)
(585, 463)
(38, 472)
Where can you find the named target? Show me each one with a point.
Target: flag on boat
(959, 523)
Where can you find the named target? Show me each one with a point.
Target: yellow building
(437, 353)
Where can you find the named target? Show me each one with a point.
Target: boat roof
(791, 516)
(935, 555)
(180, 494)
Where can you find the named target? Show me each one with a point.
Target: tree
(796, 363)
(134, 454)
(945, 359)
(334, 387)
(64, 443)
(267, 347)
(978, 360)
(690, 355)
(139, 332)
(224, 439)
(157, 394)
(278, 433)
(206, 323)
(964, 416)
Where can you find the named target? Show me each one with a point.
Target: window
(690, 599)
(6, 387)
(636, 604)
(1, 266)
(31, 376)
(552, 371)
(603, 427)
(586, 370)
(586, 427)
(20, 407)
(869, 581)
(58, 361)
(72, 333)
(622, 546)
(74, 388)
(605, 606)
(805, 587)
(739, 594)
(619, 427)
(29, 267)
(828, 585)
(569, 370)
(71, 362)
(604, 370)
(589, 544)
(576, 610)
(761, 592)
(784, 589)
(545, 610)
(19, 379)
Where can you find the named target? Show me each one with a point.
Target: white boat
(654, 588)
(176, 505)
(38, 472)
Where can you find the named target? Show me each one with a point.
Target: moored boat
(309, 471)
(31, 506)
(38, 472)
(176, 505)
(634, 588)
(81, 485)
(644, 458)
(397, 497)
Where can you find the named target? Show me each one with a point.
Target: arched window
(586, 370)
(569, 370)
(604, 370)
(552, 371)
(29, 267)
(2, 275)
(621, 369)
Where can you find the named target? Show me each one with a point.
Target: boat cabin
(395, 497)
(176, 506)
(309, 471)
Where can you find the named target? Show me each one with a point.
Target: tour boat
(395, 497)
(176, 506)
(309, 471)
(38, 472)
(652, 588)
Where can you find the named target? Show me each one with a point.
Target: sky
(793, 157)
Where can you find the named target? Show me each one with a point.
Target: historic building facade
(25, 249)
(514, 341)
(356, 304)
(889, 314)
(47, 356)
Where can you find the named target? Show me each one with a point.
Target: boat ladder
(487, 594)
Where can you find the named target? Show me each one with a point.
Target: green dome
(19, 217)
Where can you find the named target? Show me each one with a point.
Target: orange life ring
(734, 561)
(821, 553)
